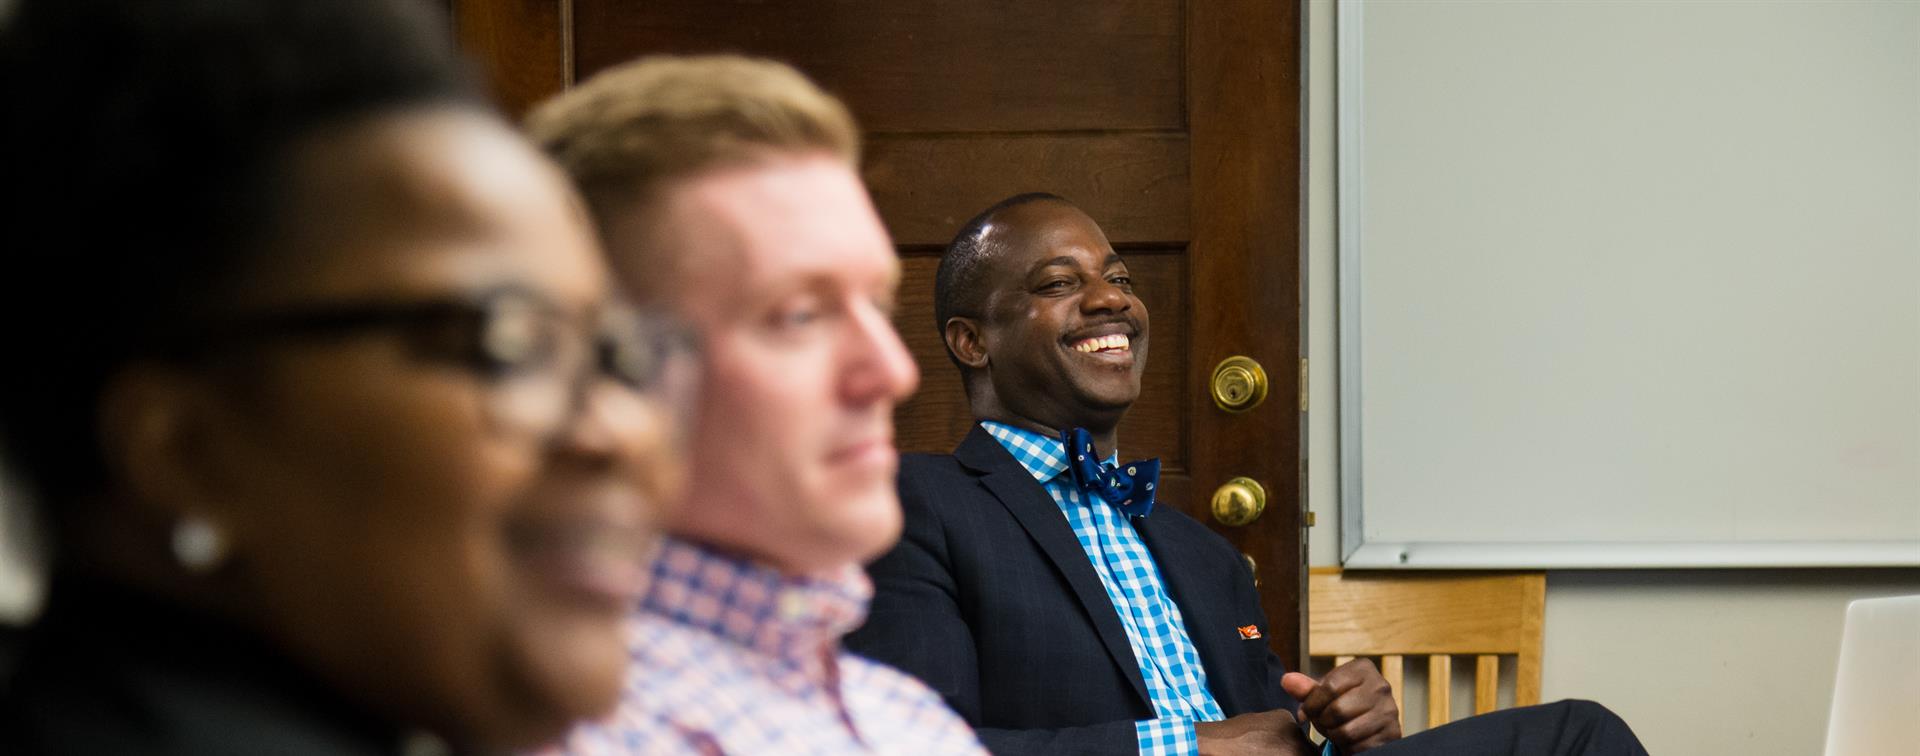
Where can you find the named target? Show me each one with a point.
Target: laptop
(1876, 694)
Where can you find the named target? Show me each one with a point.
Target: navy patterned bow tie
(1128, 487)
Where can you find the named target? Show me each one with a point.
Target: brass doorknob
(1238, 502)
(1239, 384)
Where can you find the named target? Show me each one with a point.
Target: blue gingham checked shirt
(732, 657)
(1176, 683)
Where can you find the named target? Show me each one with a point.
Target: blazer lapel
(1036, 512)
(1207, 625)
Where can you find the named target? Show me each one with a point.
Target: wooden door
(1175, 124)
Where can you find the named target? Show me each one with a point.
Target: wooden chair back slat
(1486, 683)
(1439, 690)
(1391, 668)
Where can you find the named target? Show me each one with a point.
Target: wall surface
(1699, 662)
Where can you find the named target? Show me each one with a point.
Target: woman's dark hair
(145, 146)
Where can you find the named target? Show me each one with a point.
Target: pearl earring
(198, 544)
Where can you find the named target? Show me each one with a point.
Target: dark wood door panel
(985, 65)
(1243, 100)
(1135, 184)
(521, 44)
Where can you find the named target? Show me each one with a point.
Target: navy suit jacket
(990, 600)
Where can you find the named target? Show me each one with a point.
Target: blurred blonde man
(726, 192)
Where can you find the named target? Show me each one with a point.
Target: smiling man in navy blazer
(1043, 595)
(1055, 625)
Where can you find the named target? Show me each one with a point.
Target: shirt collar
(1044, 457)
(753, 604)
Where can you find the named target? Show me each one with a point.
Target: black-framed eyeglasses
(538, 360)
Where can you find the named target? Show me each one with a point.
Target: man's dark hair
(145, 146)
(960, 285)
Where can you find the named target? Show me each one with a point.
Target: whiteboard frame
(1575, 555)
(1348, 161)
(1356, 552)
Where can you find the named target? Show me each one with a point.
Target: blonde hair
(629, 130)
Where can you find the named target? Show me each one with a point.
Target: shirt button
(793, 606)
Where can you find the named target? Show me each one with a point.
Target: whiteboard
(1629, 284)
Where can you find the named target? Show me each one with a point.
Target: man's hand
(1352, 706)
(1265, 732)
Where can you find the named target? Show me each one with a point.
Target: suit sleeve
(1276, 697)
(1104, 739)
(1272, 693)
(916, 624)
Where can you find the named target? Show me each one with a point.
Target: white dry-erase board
(1629, 284)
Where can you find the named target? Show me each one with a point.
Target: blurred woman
(315, 380)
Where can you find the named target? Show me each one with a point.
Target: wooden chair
(1437, 615)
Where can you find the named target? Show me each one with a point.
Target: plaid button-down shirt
(1176, 683)
(731, 657)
